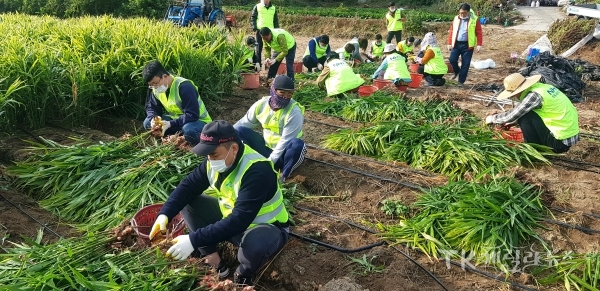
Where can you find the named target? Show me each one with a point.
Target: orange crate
(513, 134)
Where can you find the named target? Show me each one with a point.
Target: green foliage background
(72, 8)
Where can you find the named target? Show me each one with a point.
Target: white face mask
(161, 89)
(392, 9)
(219, 165)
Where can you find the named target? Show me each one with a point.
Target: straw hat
(516, 83)
(390, 47)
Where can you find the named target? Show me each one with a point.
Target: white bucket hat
(516, 83)
(390, 47)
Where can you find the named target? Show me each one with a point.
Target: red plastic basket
(367, 90)
(513, 134)
(143, 220)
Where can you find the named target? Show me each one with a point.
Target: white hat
(390, 47)
(516, 83)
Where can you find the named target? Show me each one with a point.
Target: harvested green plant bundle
(442, 148)
(97, 186)
(309, 93)
(581, 271)
(88, 263)
(366, 69)
(488, 220)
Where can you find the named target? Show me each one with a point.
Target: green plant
(577, 271)
(394, 208)
(365, 265)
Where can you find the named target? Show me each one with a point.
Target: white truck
(584, 10)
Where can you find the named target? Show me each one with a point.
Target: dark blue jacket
(189, 104)
(312, 45)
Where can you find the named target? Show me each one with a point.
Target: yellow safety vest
(471, 36)
(396, 67)
(266, 16)
(557, 111)
(341, 78)
(393, 22)
(437, 65)
(270, 212)
(319, 50)
(275, 32)
(273, 121)
(172, 103)
(403, 48)
(377, 50)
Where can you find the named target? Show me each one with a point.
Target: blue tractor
(198, 12)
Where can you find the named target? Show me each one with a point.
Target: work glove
(160, 225)
(182, 248)
(478, 48)
(489, 119)
(165, 125)
(249, 60)
(320, 67)
(449, 47)
(257, 67)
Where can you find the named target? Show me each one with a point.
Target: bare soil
(357, 198)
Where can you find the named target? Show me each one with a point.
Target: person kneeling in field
(233, 195)
(281, 119)
(250, 53)
(546, 115)
(431, 65)
(173, 104)
(338, 77)
(393, 67)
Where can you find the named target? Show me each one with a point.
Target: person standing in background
(263, 15)
(393, 21)
(464, 36)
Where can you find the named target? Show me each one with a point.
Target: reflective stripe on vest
(265, 17)
(275, 32)
(393, 22)
(270, 212)
(273, 121)
(557, 111)
(377, 50)
(471, 36)
(436, 66)
(341, 78)
(396, 67)
(404, 48)
(172, 104)
(319, 50)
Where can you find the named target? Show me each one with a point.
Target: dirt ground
(356, 197)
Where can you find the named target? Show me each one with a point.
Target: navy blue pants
(191, 130)
(289, 64)
(461, 49)
(257, 245)
(292, 157)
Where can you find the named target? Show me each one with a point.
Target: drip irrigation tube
(33, 218)
(589, 135)
(573, 211)
(466, 267)
(367, 160)
(336, 248)
(373, 232)
(406, 184)
(580, 228)
(564, 163)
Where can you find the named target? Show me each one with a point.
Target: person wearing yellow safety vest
(545, 114)
(176, 101)
(350, 52)
(464, 36)
(233, 195)
(316, 53)
(250, 53)
(377, 47)
(393, 22)
(406, 47)
(282, 45)
(432, 65)
(393, 67)
(264, 14)
(281, 119)
(338, 77)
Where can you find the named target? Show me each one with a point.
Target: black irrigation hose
(32, 135)
(406, 184)
(367, 160)
(373, 232)
(575, 162)
(497, 278)
(33, 218)
(580, 228)
(564, 163)
(590, 136)
(573, 211)
(337, 248)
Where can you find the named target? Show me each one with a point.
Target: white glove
(249, 60)
(159, 225)
(489, 119)
(449, 47)
(153, 122)
(257, 67)
(182, 248)
(320, 67)
(478, 48)
(165, 125)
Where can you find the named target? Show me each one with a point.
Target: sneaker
(455, 75)
(222, 270)
(241, 281)
(460, 84)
